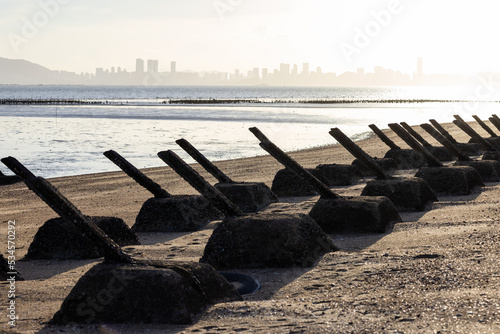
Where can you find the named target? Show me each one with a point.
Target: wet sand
(437, 271)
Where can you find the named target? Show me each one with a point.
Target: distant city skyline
(147, 72)
(285, 74)
(222, 35)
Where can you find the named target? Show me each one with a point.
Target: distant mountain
(18, 71)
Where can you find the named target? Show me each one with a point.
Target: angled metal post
(203, 161)
(136, 174)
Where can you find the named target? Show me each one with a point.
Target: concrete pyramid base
(406, 158)
(57, 239)
(491, 155)
(248, 196)
(340, 175)
(454, 180)
(387, 164)
(407, 194)
(175, 214)
(441, 153)
(287, 183)
(495, 141)
(151, 292)
(364, 214)
(488, 169)
(266, 240)
(470, 148)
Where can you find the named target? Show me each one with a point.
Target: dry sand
(438, 271)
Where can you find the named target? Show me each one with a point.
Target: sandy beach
(435, 272)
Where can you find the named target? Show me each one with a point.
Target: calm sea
(139, 121)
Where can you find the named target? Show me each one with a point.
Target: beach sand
(437, 271)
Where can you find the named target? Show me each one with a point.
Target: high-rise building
(305, 68)
(265, 74)
(173, 67)
(256, 74)
(379, 71)
(99, 72)
(139, 65)
(420, 67)
(284, 70)
(152, 66)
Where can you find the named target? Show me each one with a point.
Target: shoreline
(435, 271)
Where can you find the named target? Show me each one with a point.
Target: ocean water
(63, 140)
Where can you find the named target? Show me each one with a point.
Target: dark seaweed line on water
(46, 101)
(213, 101)
(237, 101)
(324, 101)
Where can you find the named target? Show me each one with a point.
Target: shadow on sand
(272, 279)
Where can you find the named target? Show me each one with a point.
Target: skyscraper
(284, 70)
(420, 67)
(265, 74)
(152, 66)
(139, 65)
(305, 68)
(173, 67)
(256, 75)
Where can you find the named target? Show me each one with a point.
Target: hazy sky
(338, 35)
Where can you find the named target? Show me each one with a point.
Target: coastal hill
(18, 71)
